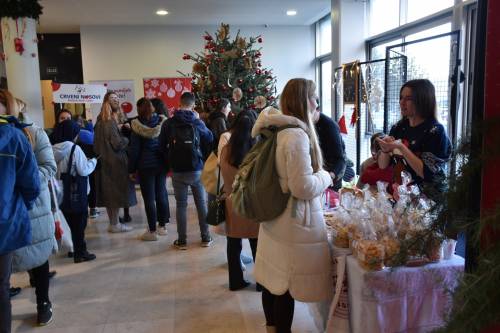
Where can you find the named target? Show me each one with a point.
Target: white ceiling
(69, 15)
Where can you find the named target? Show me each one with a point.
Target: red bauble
(259, 39)
(250, 90)
(266, 90)
(258, 55)
(270, 98)
(258, 72)
(240, 81)
(222, 50)
(126, 107)
(259, 64)
(266, 72)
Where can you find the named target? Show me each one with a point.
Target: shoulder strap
(70, 162)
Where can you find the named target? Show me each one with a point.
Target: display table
(405, 299)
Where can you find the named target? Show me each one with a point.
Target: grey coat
(112, 182)
(41, 217)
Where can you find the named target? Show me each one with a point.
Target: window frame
(320, 59)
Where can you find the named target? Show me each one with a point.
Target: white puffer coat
(293, 252)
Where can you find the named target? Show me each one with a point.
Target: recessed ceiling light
(291, 12)
(161, 12)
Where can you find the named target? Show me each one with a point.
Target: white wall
(137, 52)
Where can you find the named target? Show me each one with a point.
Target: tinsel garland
(20, 8)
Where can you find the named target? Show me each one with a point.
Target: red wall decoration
(169, 90)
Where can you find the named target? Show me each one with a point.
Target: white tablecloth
(406, 299)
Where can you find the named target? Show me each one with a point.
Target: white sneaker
(161, 231)
(115, 228)
(149, 236)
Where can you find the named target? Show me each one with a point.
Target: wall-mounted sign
(125, 91)
(51, 70)
(169, 90)
(78, 93)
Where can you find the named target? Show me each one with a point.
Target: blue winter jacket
(144, 151)
(19, 187)
(189, 117)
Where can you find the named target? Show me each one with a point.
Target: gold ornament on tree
(241, 43)
(237, 94)
(260, 102)
(248, 63)
(199, 68)
(223, 31)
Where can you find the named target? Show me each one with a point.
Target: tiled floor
(137, 286)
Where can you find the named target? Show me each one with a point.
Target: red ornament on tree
(259, 39)
(258, 72)
(240, 81)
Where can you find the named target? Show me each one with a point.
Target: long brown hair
(145, 108)
(424, 97)
(294, 101)
(106, 111)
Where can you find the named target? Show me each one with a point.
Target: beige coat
(236, 226)
(293, 251)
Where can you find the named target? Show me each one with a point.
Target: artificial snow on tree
(232, 69)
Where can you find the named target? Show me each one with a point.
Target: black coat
(332, 147)
(144, 151)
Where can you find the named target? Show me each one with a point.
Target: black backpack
(184, 151)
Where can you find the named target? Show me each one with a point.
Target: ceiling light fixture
(291, 12)
(161, 12)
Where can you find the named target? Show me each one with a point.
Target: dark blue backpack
(184, 151)
(75, 199)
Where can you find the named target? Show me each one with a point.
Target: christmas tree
(231, 69)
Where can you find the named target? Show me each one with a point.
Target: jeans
(278, 310)
(234, 260)
(181, 181)
(5, 307)
(77, 223)
(154, 192)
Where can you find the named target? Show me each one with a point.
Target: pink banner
(169, 90)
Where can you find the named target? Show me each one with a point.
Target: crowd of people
(99, 166)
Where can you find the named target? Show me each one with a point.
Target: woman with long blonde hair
(112, 174)
(293, 256)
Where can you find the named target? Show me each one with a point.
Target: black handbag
(75, 199)
(217, 208)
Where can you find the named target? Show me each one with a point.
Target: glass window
(440, 29)
(324, 45)
(378, 52)
(416, 9)
(384, 16)
(326, 87)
